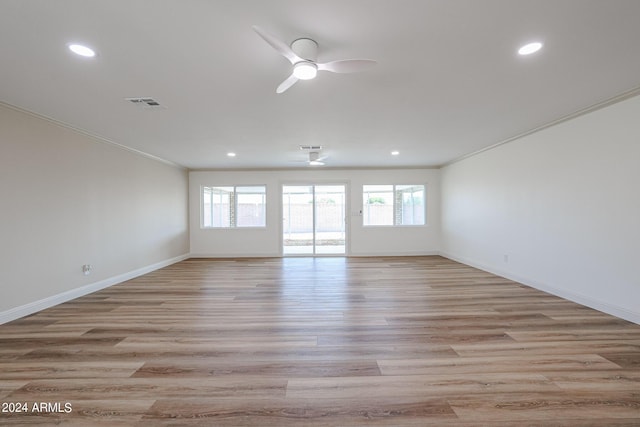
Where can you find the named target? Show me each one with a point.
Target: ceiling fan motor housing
(305, 49)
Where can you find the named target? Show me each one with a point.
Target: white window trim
(395, 219)
(235, 208)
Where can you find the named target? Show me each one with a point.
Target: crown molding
(594, 107)
(91, 135)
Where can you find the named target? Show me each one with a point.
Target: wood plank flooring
(408, 341)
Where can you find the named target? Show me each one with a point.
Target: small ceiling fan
(314, 159)
(303, 55)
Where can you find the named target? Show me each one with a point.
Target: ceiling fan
(303, 55)
(314, 159)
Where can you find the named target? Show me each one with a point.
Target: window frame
(233, 207)
(395, 210)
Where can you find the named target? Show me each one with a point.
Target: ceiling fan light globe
(82, 50)
(305, 70)
(530, 48)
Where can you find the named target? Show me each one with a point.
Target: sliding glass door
(314, 219)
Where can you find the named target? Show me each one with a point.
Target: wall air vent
(311, 147)
(145, 102)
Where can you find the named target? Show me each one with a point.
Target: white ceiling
(448, 82)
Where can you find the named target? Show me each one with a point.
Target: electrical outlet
(506, 258)
(86, 269)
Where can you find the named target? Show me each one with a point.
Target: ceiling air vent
(311, 147)
(145, 102)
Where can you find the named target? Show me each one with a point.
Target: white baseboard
(585, 300)
(243, 255)
(394, 254)
(34, 307)
(279, 255)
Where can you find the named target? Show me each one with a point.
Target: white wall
(563, 204)
(360, 241)
(68, 200)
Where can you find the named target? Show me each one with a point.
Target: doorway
(314, 219)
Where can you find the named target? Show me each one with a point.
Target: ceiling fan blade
(278, 45)
(290, 81)
(347, 65)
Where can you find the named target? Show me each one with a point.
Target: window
(393, 205)
(228, 207)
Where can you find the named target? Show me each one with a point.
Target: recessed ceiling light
(231, 154)
(530, 48)
(395, 153)
(82, 50)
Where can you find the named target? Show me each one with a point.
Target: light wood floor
(412, 341)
